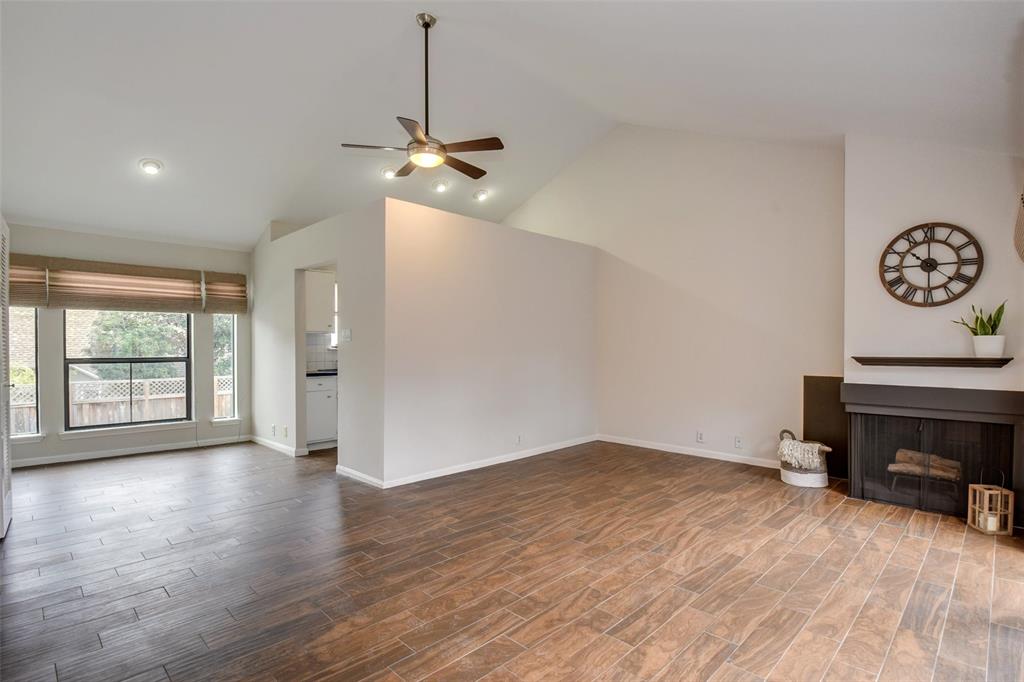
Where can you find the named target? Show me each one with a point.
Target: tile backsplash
(319, 354)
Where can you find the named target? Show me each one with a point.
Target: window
(223, 366)
(126, 368)
(24, 403)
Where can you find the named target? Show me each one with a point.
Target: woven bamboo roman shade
(41, 281)
(225, 293)
(113, 286)
(28, 281)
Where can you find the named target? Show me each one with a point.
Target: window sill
(28, 438)
(225, 421)
(125, 430)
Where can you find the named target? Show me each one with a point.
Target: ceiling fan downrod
(427, 21)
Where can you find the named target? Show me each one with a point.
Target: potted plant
(984, 329)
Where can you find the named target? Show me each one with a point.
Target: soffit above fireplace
(968, 404)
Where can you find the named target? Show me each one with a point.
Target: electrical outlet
(273, 429)
(286, 434)
(700, 436)
(738, 443)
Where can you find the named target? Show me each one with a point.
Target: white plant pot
(989, 346)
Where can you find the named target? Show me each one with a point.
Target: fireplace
(921, 447)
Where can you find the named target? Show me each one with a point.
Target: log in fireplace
(922, 446)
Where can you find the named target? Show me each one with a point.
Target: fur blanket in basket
(802, 454)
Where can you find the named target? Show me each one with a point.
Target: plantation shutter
(27, 284)
(6, 497)
(113, 286)
(225, 293)
(1018, 232)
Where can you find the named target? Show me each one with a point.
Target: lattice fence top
(84, 391)
(23, 394)
(122, 389)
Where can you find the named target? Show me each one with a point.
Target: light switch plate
(346, 335)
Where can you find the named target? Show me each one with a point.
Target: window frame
(130, 361)
(234, 368)
(35, 373)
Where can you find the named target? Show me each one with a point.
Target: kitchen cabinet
(319, 301)
(321, 409)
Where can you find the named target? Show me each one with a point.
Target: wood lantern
(990, 509)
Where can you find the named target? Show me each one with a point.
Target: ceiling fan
(426, 151)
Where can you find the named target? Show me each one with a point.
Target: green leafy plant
(984, 325)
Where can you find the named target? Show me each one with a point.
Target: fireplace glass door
(928, 463)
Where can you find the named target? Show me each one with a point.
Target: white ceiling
(246, 102)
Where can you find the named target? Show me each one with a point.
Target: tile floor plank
(596, 562)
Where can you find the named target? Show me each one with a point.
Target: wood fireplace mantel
(930, 361)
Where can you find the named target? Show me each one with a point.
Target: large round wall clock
(931, 264)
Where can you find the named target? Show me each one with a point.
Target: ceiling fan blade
(372, 146)
(409, 167)
(465, 168)
(414, 129)
(485, 144)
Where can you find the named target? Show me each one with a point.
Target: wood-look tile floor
(596, 562)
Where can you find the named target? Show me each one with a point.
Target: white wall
(55, 445)
(720, 284)
(353, 243)
(490, 341)
(471, 342)
(892, 185)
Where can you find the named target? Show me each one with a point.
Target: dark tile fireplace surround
(921, 446)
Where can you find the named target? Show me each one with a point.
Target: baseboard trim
(123, 452)
(321, 445)
(245, 438)
(362, 478)
(490, 461)
(696, 452)
(279, 447)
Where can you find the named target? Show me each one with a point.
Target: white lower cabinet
(321, 410)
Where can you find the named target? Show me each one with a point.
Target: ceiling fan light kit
(423, 150)
(427, 155)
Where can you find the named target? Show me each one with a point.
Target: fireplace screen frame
(990, 406)
(927, 462)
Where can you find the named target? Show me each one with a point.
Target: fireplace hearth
(921, 446)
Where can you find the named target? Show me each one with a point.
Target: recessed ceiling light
(480, 195)
(441, 186)
(388, 173)
(151, 166)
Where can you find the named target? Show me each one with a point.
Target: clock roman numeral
(896, 282)
(929, 296)
(969, 242)
(911, 239)
(962, 278)
(929, 233)
(970, 261)
(909, 293)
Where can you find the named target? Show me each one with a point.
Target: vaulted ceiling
(246, 103)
